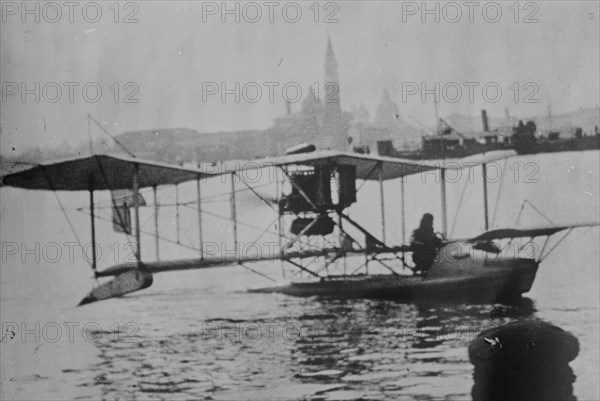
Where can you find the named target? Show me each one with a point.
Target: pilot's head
(426, 220)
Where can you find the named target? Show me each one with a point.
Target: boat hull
(495, 282)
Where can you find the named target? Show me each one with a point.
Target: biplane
(314, 229)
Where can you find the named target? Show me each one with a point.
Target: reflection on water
(317, 349)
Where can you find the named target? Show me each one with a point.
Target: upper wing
(116, 172)
(100, 172)
(368, 167)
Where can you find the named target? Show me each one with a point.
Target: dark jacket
(425, 245)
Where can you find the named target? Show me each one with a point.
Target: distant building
(360, 114)
(387, 126)
(319, 121)
(387, 114)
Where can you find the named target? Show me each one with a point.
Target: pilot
(425, 244)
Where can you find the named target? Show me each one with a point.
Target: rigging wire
(228, 193)
(525, 202)
(542, 257)
(497, 204)
(114, 202)
(257, 272)
(257, 195)
(186, 205)
(239, 222)
(462, 195)
(110, 135)
(65, 212)
(266, 230)
(152, 234)
(209, 199)
(368, 176)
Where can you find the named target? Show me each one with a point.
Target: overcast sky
(166, 58)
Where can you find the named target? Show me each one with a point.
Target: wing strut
(382, 201)
(156, 237)
(136, 209)
(93, 224)
(177, 212)
(200, 239)
(234, 214)
(485, 195)
(402, 211)
(443, 193)
(278, 189)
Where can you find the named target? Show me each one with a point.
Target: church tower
(387, 114)
(331, 85)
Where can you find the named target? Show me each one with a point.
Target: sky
(165, 64)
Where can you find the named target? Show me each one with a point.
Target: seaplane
(329, 253)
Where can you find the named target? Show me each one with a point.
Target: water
(198, 334)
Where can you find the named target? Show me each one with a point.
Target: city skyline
(165, 71)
